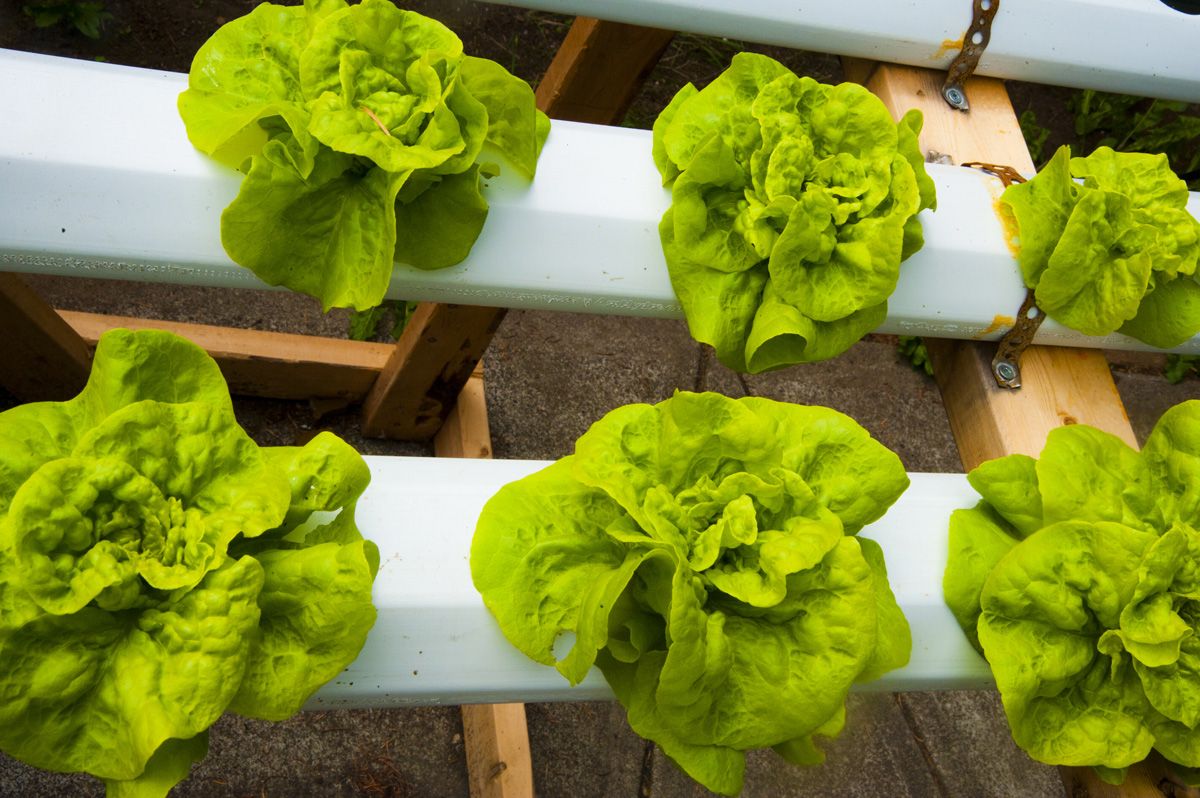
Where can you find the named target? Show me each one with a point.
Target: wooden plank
(1060, 386)
(41, 358)
(427, 369)
(497, 741)
(261, 363)
(466, 432)
(496, 735)
(598, 70)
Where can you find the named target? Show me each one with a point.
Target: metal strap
(1006, 365)
(975, 40)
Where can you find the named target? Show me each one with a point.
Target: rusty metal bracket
(1006, 365)
(975, 40)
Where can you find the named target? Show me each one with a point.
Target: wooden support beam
(427, 370)
(41, 357)
(261, 363)
(598, 70)
(1060, 386)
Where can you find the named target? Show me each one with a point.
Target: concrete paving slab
(870, 383)
(965, 738)
(875, 755)
(585, 750)
(550, 376)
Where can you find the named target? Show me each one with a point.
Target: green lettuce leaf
(1078, 577)
(700, 553)
(362, 130)
(793, 204)
(1116, 252)
(331, 235)
(158, 568)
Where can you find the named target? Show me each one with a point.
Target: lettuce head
(157, 567)
(364, 132)
(1078, 577)
(792, 205)
(1107, 244)
(702, 553)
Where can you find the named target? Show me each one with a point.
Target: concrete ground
(548, 377)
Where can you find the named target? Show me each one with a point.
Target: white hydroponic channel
(435, 643)
(98, 179)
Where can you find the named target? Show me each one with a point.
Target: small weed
(89, 18)
(1180, 366)
(364, 324)
(1141, 124)
(1035, 135)
(913, 350)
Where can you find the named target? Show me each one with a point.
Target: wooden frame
(409, 389)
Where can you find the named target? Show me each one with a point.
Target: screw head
(1006, 371)
(955, 97)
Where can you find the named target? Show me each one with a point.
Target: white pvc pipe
(97, 179)
(1140, 47)
(435, 643)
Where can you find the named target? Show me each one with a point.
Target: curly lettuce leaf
(1118, 251)
(248, 72)
(697, 552)
(1078, 578)
(100, 691)
(815, 183)
(316, 596)
(157, 568)
(331, 235)
(362, 130)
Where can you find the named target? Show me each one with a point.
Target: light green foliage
(793, 203)
(1116, 252)
(360, 130)
(157, 568)
(1077, 576)
(702, 553)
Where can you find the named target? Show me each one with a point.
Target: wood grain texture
(41, 357)
(261, 363)
(466, 432)
(1062, 386)
(598, 70)
(497, 741)
(427, 369)
(989, 132)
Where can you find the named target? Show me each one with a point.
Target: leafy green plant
(703, 553)
(89, 18)
(1077, 577)
(912, 349)
(793, 204)
(1118, 252)
(1141, 124)
(1180, 366)
(393, 313)
(1035, 135)
(158, 568)
(365, 134)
